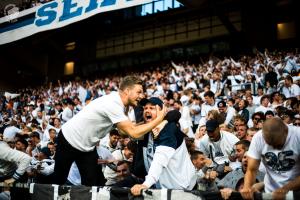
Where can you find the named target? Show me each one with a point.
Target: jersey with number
(282, 166)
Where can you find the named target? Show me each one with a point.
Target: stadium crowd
(234, 114)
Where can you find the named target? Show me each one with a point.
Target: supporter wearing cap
(166, 157)
(44, 167)
(45, 153)
(218, 143)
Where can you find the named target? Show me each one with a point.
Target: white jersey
(282, 166)
(94, 121)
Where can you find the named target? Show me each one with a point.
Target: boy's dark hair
(244, 143)
(132, 146)
(23, 141)
(114, 132)
(209, 94)
(195, 154)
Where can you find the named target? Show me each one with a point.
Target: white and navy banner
(55, 14)
(55, 192)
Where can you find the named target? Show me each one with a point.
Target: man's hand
(279, 194)
(226, 193)
(247, 193)
(213, 175)
(137, 189)
(158, 128)
(227, 169)
(9, 182)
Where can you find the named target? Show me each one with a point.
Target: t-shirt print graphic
(281, 162)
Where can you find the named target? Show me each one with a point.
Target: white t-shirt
(282, 166)
(196, 117)
(293, 91)
(205, 108)
(67, 114)
(230, 113)
(10, 132)
(216, 86)
(263, 109)
(186, 115)
(256, 100)
(94, 121)
(46, 136)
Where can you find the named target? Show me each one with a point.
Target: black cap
(153, 100)
(211, 125)
(221, 104)
(46, 151)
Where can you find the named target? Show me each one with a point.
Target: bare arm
(292, 185)
(280, 193)
(247, 191)
(136, 131)
(252, 169)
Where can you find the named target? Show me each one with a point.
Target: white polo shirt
(94, 121)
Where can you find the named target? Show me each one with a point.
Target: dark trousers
(86, 162)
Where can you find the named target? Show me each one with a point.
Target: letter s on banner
(43, 12)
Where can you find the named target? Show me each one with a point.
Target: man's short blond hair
(129, 82)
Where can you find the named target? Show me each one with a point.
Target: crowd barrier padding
(55, 192)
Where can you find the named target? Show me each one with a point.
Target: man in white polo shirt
(79, 135)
